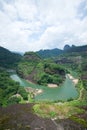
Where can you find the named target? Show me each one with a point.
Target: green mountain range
(49, 53)
(8, 59)
(56, 52)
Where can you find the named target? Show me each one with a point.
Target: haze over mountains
(47, 52)
(55, 52)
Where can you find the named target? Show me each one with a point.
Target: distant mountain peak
(66, 47)
(49, 53)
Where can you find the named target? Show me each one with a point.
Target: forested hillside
(8, 59)
(49, 53)
(40, 71)
(76, 61)
(54, 53)
(9, 90)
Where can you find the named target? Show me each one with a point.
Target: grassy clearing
(60, 111)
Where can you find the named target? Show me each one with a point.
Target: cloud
(27, 25)
(82, 9)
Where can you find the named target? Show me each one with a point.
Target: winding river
(64, 92)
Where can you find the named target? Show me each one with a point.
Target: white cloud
(26, 9)
(40, 24)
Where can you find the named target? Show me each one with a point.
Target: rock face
(31, 56)
(70, 125)
(21, 117)
(66, 47)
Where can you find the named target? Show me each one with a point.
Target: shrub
(23, 93)
(13, 100)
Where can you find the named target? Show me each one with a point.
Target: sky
(32, 25)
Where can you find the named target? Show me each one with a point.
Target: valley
(51, 89)
(61, 93)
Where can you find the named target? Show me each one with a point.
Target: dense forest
(8, 59)
(9, 90)
(40, 71)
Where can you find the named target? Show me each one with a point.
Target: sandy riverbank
(75, 81)
(52, 85)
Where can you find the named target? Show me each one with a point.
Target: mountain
(18, 52)
(56, 52)
(28, 63)
(40, 71)
(66, 47)
(8, 59)
(49, 53)
(76, 49)
(75, 59)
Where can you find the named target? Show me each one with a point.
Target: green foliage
(8, 59)
(45, 78)
(28, 64)
(36, 108)
(23, 93)
(9, 88)
(84, 72)
(85, 84)
(13, 100)
(52, 114)
(40, 71)
(51, 73)
(70, 99)
(25, 68)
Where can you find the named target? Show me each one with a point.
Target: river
(64, 92)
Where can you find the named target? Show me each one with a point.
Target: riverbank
(34, 91)
(63, 93)
(52, 85)
(75, 81)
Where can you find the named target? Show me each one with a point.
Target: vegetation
(49, 53)
(23, 93)
(42, 71)
(9, 89)
(57, 52)
(8, 59)
(56, 110)
(39, 71)
(28, 64)
(52, 73)
(13, 100)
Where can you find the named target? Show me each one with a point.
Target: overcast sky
(31, 25)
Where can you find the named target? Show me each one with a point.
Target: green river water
(64, 92)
